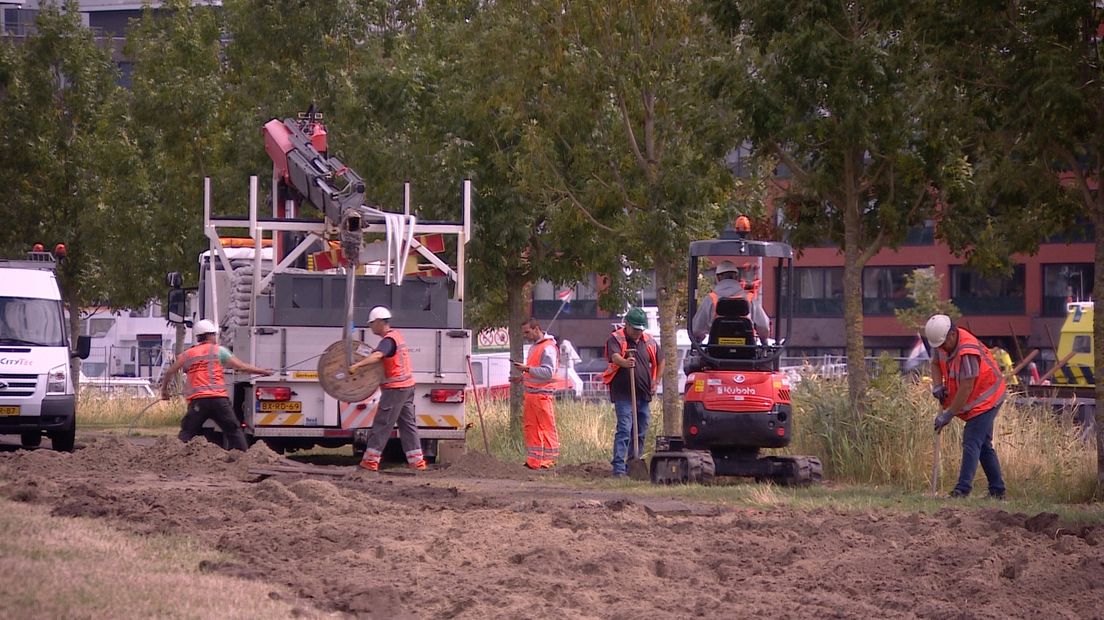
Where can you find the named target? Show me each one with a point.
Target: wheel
(64, 440)
(702, 468)
(30, 439)
(803, 470)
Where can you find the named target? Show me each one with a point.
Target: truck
(37, 396)
(1072, 383)
(282, 306)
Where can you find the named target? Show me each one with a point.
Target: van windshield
(31, 322)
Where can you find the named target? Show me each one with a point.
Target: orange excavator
(736, 401)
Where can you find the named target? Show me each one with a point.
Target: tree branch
(798, 171)
(1079, 176)
(640, 161)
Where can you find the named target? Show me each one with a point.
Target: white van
(36, 387)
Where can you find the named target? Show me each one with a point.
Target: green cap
(636, 318)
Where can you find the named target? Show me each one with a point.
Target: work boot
(369, 465)
(999, 496)
(956, 494)
(420, 464)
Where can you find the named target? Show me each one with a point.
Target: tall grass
(98, 411)
(1041, 452)
(585, 428)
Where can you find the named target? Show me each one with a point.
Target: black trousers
(215, 408)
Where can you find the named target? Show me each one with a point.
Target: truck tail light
(446, 396)
(273, 393)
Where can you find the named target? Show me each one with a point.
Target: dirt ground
(485, 539)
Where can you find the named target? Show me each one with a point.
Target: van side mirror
(84, 347)
(177, 306)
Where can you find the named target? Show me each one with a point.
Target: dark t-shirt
(619, 387)
(387, 347)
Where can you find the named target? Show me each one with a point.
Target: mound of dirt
(480, 465)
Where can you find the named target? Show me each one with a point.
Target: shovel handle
(935, 463)
(632, 397)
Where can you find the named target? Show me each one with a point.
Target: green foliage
(73, 170)
(924, 288)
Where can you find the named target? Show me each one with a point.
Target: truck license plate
(287, 406)
(9, 410)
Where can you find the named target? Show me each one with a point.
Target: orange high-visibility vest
(989, 385)
(649, 344)
(204, 372)
(532, 384)
(397, 370)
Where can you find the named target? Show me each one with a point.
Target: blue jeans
(977, 447)
(622, 438)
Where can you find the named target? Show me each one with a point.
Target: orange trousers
(542, 443)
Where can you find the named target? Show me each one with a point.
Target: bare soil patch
(482, 538)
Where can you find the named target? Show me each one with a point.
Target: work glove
(943, 419)
(939, 392)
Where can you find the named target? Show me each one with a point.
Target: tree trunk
(1098, 338)
(852, 289)
(517, 311)
(669, 299)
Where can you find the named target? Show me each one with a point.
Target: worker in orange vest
(968, 384)
(542, 442)
(729, 286)
(205, 389)
(647, 365)
(396, 402)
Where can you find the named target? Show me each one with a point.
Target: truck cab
(37, 396)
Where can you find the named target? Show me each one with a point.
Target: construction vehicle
(736, 400)
(37, 396)
(283, 306)
(1071, 383)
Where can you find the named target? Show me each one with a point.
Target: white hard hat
(203, 328)
(937, 328)
(727, 266)
(379, 312)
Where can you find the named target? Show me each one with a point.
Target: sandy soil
(486, 539)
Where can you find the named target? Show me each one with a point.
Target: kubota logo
(14, 361)
(738, 378)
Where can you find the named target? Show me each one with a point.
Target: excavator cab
(736, 400)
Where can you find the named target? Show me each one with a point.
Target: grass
(80, 568)
(95, 411)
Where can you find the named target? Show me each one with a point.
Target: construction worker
(1004, 361)
(396, 402)
(205, 389)
(728, 286)
(647, 365)
(969, 385)
(538, 373)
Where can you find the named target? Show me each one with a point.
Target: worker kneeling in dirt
(396, 394)
(968, 384)
(206, 391)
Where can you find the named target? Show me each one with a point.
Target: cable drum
(337, 381)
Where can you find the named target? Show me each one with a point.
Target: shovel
(638, 470)
(935, 465)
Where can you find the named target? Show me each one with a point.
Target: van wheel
(64, 440)
(30, 439)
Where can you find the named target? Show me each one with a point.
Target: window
(884, 289)
(974, 293)
(1063, 283)
(98, 328)
(819, 291)
(1082, 344)
(573, 301)
(921, 235)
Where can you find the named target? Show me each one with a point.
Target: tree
(77, 177)
(839, 95)
(923, 287)
(1033, 74)
(632, 148)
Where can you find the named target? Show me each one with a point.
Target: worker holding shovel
(969, 385)
(635, 364)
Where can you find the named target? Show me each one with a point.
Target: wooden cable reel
(337, 381)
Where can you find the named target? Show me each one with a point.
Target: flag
(917, 355)
(565, 295)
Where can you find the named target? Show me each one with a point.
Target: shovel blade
(638, 470)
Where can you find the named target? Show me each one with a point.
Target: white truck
(280, 308)
(36, 386)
